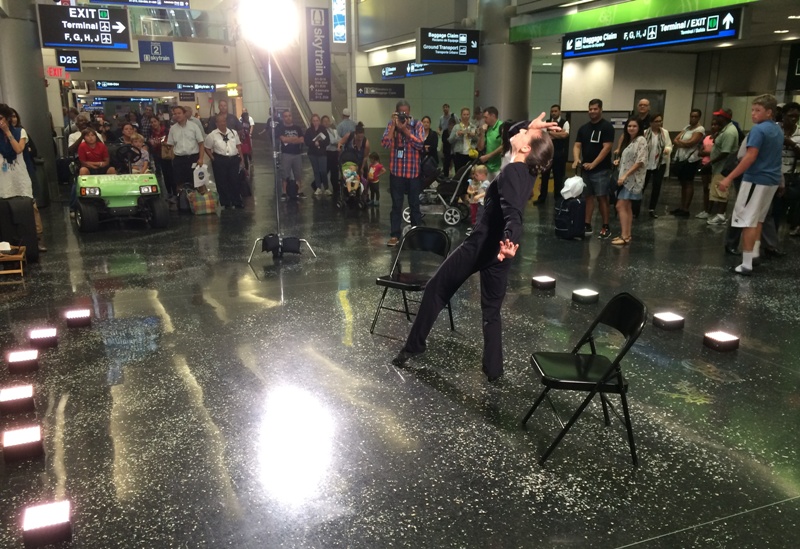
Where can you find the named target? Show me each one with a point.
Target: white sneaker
(702, 215)
(318, 192)
(718, 219)
(328, 192)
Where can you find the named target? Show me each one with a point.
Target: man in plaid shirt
(403, 138)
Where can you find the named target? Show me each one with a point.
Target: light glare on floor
(585, 295)
(668, 321)
(16, 393)
(42, 333)
(721, 341)
(23, 356)
(26, 435)
(543, 282)
(721, 336)
(48, 514)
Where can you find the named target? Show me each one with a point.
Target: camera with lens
(402, 117)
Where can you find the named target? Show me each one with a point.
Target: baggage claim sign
(721, 24)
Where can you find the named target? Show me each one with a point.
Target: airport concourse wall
(615, 79)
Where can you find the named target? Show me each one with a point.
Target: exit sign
(59, 73)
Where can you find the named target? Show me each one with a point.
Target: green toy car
(109, 197)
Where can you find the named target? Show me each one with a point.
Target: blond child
(143, 164)
(478, 184)
(376, 170)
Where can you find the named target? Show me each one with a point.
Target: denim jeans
(319, 167)
(398, 188)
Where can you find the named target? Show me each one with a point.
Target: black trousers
(182, 169)
(226, 175)
(559, 169)
(460, 160)
(467, 259)
(333, 171)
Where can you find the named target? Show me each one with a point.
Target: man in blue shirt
(761, 166)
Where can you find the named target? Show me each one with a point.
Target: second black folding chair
(419, 254)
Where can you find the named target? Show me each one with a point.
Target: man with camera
(403, 138)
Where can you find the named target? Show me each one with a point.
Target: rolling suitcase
(17, 225)
(570, 218)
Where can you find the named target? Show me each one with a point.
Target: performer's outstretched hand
(507, 250)
(539, 123)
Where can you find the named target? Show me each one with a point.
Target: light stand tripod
(276, 242)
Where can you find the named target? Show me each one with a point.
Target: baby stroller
(352, 187)
(441, 197)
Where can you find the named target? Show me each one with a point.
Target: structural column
(504, 74)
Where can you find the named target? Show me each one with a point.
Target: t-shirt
(344, 127)
(97, 154)
(689, 155)
(289, 131)
(789, 157)
(726, 141)
(494, 140)
(377, 167)
(139, 164)
(592, 137)
(767, 137)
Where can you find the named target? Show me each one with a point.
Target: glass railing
(179, 24)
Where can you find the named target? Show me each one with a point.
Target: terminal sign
(448, 46)
(721, 24)
(81, 27)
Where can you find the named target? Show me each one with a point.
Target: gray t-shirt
(345, 126)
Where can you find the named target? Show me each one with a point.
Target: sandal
(619, 241)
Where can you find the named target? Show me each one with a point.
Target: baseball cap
(345, 112)
(723, 114)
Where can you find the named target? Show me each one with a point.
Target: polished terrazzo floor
(214, 404)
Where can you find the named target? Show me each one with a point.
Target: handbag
(167, 151)
(202, 204)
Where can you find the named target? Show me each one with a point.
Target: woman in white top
(332, 153)
(632, 169)
(687, 159)
(28, 154)
(659, 148)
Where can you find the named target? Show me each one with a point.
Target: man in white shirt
(188, 139)
(225, 151)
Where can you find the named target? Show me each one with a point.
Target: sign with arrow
(685, 28)
(448, 46)
(380, 90)
(80, 27)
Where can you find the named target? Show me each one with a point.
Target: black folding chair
(413, 278)
(593, 373)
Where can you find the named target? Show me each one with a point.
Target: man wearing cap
(726, 142)
(345, 128)
(761, 170)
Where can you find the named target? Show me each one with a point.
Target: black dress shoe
(730, 250)
(495, 379)
(774, 252)
(402, 358)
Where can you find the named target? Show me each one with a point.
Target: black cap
(515, 127)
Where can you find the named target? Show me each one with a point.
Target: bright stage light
(585, 295)
(43, 337)
(269, 24)
(668, 321)
(543, 282)
(46, 524)
(721, 341)
(19, 361)
(16, 399)
(25, 443)
(78, 318)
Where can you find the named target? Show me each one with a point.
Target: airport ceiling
(762, 18)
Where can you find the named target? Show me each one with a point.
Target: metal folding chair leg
(536, 405)
(450, 313)
(253, 251)
(629, 428)
(405, 304)
(568, 426)
(378, 311)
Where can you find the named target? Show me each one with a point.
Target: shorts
(714, 193)
(597, 183)
(625, 194)
(685, 171)
(752, 204)
(99, 171)
(292, 166)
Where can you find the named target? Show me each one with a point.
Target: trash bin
(40, 191)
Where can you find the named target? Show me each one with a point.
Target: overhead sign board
(56, 72)
(686, 28)
(407, 69)
(69, 59)
(169, 4)
(84, 28)
(380, 90)
(154, 86)
(156, 52)
(187, 96)
(448, 46)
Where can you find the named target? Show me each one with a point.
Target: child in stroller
(353, 187)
